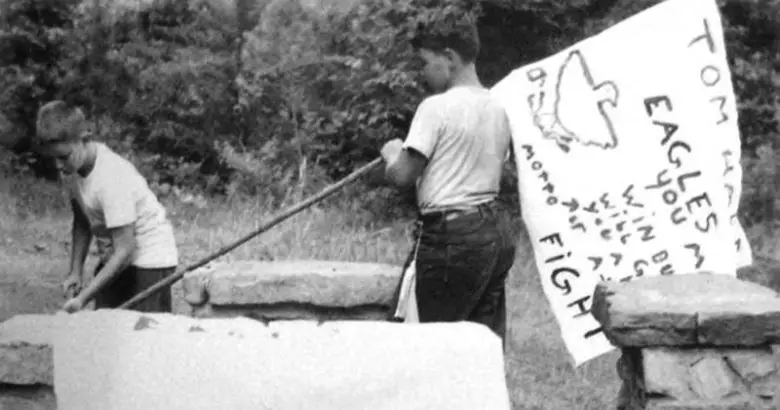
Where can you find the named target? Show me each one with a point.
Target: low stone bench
(267, 291)
(26, 365)
(697, 341)
(288, 290)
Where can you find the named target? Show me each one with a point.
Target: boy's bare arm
(81, 238)
(123, 243)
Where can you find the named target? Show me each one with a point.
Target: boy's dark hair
(457, 32)
(59, 122)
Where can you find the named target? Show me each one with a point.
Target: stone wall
(698, 341)
(267, 291)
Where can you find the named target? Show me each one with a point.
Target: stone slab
(25, 350)
(242, 364)
(686, 310)
(320, 283)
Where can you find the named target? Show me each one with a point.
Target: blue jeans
(462, 264)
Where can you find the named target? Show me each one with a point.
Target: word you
(673, 183)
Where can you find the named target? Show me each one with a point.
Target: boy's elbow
(400, 178)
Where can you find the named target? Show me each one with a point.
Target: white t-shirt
(115, 194)
(464, 133)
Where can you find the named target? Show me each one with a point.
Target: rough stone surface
(692, 376)
(25, 350)
(36, 397)
(666, 373)
(687, 310)
(711, 379)
(752, 364)
(736, 403)
(318, 283)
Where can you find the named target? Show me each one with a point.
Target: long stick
(264, 227)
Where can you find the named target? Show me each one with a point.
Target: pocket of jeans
(478, 231)
(478, 258)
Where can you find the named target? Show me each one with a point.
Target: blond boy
(113, 204)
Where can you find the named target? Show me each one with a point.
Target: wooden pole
(330, 190)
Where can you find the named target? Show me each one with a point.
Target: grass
(35, 256)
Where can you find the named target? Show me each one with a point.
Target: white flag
(628, 155)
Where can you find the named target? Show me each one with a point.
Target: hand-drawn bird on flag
(577, 113)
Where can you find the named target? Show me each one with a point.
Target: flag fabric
(628, 155)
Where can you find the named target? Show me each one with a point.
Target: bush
(278, 97)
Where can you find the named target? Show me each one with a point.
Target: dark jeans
(131, 282)
(462, 265)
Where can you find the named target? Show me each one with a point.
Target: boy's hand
(73, 305)
(391, 150)
(72, 285)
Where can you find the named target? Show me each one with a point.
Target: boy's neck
(89, 163)
(466, 77)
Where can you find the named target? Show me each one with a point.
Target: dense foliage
(265, 96)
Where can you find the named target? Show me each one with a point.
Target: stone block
(752, 364)
(36, 397)
(766, 387)
(734, 403)
(666, 373)
(756, 324)
(25, 350)
(267, 286)
(687, 310)
(712, 379)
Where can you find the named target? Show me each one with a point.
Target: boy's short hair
(59, 122)
(454, 31)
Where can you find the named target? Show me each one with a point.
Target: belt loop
(487, 209)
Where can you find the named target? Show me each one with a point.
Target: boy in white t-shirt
(454, 155)
(111, 202)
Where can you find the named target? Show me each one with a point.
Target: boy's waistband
(452, 214)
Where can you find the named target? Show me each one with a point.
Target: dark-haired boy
(111, 202)
(454, 153)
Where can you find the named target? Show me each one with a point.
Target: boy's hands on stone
(73, 305)
(391, 150)
(72, 285)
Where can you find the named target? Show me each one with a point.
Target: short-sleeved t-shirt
(464, 133)
(115, 194)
